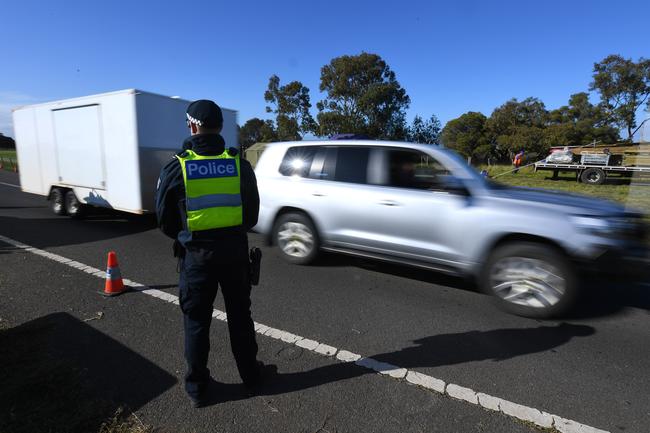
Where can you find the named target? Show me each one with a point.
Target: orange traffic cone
(114, 284)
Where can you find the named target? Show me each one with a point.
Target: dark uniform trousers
(202, 272)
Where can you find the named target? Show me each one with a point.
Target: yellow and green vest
(212, 190)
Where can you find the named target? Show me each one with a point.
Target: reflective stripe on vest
(212, 190)
(213, 200)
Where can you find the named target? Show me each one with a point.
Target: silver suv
(424, 206)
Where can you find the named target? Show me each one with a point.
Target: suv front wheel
(297, 238)
(532, 280)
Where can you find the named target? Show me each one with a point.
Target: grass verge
(634, 192)
(120, 423)
(8, 153)
(8, 159)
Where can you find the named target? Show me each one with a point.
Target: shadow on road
(600, 298)
(58, 374)
(433, 351)
(496, 345)
(413, 273)
(61, 231)
(607, 298)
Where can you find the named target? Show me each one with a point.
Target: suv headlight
(591, 224)
(613, 227)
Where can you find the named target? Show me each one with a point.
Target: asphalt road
(591, 367)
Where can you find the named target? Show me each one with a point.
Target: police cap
(205, 113)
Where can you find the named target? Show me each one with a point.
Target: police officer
(207, 199)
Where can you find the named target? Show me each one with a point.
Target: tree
(561, 134)
(518, 125)
(6, 142)
(362, 97)
(255, 131)
(527, 138)
(529, 112)
(579, 123)
(468, 135)
(624, 87)
(291, 104)
(426, 132)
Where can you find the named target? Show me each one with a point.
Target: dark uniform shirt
(170, 199)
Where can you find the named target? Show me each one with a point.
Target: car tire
(73, 207)
(57, 201)
(531, 280)
(296, 236)
(593, 176)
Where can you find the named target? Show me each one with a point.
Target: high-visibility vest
(212, 190)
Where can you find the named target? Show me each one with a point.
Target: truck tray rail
(572, 167)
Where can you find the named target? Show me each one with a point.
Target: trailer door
(78, 137)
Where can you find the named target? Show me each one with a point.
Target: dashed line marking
(9, 184)
(496, 404)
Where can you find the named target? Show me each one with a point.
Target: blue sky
(450, 56)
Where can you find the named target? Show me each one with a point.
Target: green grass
(625, 191)
(121, 423)
(8, 159)
(7, 153)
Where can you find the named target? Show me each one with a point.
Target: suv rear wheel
(532, 280)
(297, 238)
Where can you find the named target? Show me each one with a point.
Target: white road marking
(382, 367)
(428, 382)
(326, 350)
(461, 393)
(540, 418)
(308, 344)
(521, 412)
(489, 402)
(345, 356)
(9, 184)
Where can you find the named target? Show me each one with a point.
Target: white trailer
(102, 150)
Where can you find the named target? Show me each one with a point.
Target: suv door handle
(389, 203)
(318, 194)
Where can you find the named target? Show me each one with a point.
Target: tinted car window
(328, 165)
(297, 161)
(352, 164)
(413, 169)
(341, 163)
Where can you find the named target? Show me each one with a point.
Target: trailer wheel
(593, 176)
(73, 206)
(57, 201)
